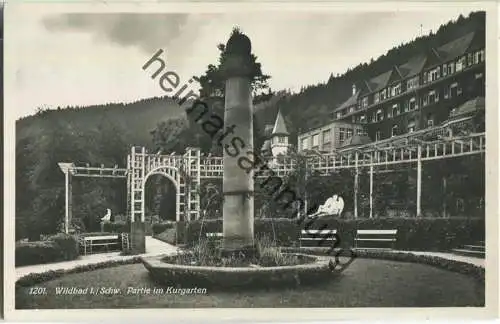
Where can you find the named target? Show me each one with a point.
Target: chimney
(353, 89)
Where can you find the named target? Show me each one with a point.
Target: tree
(212, 81)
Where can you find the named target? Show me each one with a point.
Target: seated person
(330, 207)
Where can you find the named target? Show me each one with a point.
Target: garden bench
(317, 238)
(386, 238)
(214, 235)
(89, 242)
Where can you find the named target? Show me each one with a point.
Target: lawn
(366, 283)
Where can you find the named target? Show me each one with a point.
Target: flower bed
(229, 278)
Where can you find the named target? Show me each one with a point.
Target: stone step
(471, 253)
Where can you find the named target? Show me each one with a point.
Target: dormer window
(339, 114)
(376, 97)
(383, 94)
(365, 102)
(396, 90)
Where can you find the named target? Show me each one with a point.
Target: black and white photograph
(226, 157)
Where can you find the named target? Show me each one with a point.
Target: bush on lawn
(68, 245)
(28, 253)
(161, 227)
(117, 227)
(418, 234)
(60, 247)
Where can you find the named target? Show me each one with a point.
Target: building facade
(418, 94)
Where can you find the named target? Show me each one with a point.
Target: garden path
(153, 247)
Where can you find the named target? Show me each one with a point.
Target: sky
(59, 59)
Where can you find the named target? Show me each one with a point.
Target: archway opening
(160, 199)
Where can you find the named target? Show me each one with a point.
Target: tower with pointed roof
(279, 136)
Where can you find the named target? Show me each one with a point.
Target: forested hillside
(103, 134)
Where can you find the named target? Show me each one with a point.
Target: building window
(377, 136)
(396, 90)
(383, 94)
(304, 143)
(365, 102)
(454, 90)
(379, 116)
(376, 97)
(430, 122)
(395, 110)
(315, 139)
(394, 131)
(349, 133)
(351, 109)
(362, 119)
(281, 139)
(433, 97)
(470, 59)
(339, 114)
(412, 105)
(479, 57)
(460, 64)
(411, 129)
(342, 135)
(326, 137)
(412, 83)
(434, 74)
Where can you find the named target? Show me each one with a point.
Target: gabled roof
(380, 81)
(279, 125)
(413, 66)
(455, 48)
(353, 100)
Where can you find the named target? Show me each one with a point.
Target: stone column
(238, 184)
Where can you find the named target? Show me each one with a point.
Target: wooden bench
(214, 236)
(107, 241)
(317, 238)
(382, 239)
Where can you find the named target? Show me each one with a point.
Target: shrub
(59, 247)
(28, 253)
(68, 245)
(117, 227)
(161, 227)
(424, 234)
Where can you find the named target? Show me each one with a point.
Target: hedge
(60, 247)
(161, 227)
(117, 227)
(417, 234)
(37, 278)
